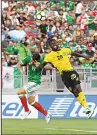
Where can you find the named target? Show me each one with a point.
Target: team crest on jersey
(33, 68)
(73, 76)
(8, 77)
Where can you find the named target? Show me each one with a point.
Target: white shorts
(31, 88)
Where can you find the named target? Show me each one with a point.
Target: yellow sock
(82, 99)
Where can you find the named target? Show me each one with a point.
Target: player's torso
(60, 60)
(34, 75)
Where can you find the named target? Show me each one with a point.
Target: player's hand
(37, 64)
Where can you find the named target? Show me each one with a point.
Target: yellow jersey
(60, 59)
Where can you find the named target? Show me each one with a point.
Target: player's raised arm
(47, 59)
(23, 62)
(69, 52)
(42, 65)
(19, 66)
(48, 67)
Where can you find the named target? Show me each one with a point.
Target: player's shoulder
(28, 58)
(49, 54)
(65, 49)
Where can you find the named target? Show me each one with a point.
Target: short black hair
(36, 56)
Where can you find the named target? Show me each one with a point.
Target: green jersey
(23, 51)
(69, 19)
(52, 4)
(34, 74)
(71, 5)
(12, 49)
(65, 45)
(91, 26)
(86, 65)
(83, 47)
(62, 4)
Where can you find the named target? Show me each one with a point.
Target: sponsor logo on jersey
(8, 77)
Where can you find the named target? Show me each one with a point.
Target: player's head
(36, 57)
(53, 44)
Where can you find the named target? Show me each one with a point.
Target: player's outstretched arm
(48, 67)
(42, 65)
(19, 66)
(80, 55)
(25, 61)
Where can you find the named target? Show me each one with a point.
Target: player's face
(54, 46)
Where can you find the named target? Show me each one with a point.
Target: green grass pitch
(56, 126)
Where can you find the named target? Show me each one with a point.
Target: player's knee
(77, 90)
(78, 87)
(31, 100)
(21, 91)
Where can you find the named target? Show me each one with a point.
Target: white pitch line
(76, 130)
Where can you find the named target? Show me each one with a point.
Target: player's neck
(57, 50)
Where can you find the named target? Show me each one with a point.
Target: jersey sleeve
(67, 51)
(26, 60)
(42, 58)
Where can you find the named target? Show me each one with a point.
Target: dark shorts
(70, 79)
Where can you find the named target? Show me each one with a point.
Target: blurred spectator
(4, 4)
(70, 18)
(78, 33)
(95, 58)
(22, 18)
(78, 49)
(28, 24)
(91, 5)
(23, 50)
(29, 20)
(43, 28)
(79, 8)
(89, 50)
(30, 7)
(11, 50)
(74, 61)
(3, 60)
(94, 43)
(86, 64)
(14, 19)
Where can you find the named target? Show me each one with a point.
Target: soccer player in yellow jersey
(60, 60)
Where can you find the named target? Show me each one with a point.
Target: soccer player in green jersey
(34, 81)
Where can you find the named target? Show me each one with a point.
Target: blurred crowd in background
(27, 25)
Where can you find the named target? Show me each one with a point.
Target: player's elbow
(19, 65)
(47, 68)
